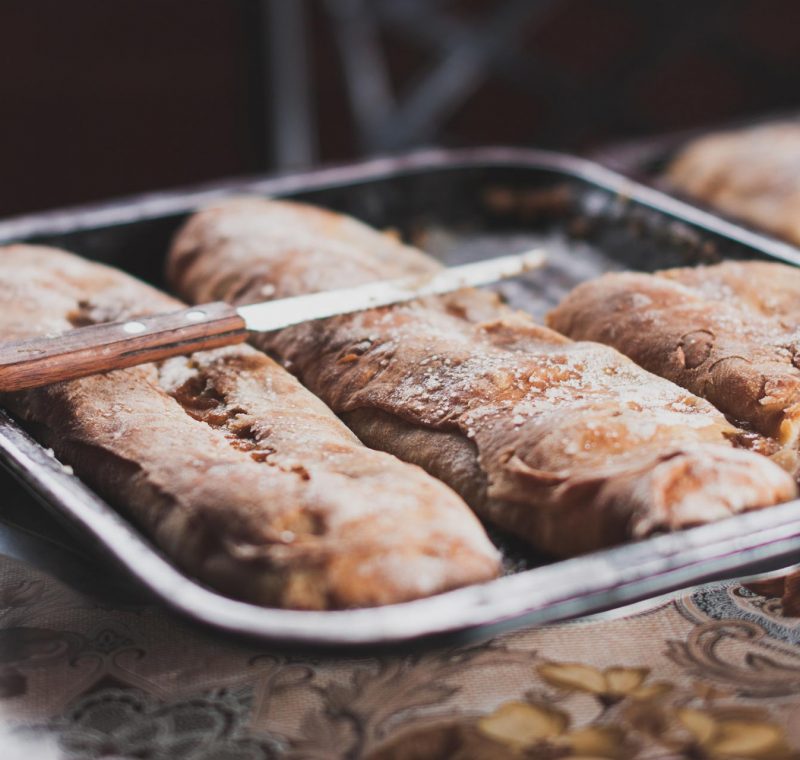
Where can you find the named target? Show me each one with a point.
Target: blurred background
(104, 98)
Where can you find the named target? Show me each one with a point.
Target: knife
(114, 345)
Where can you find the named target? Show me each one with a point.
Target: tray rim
(562, 589)
(154, 205)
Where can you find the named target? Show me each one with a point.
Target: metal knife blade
(274, 315)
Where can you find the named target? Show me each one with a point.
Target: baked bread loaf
(569, 446)
(726, 332)
(752, 174)
(241, 476)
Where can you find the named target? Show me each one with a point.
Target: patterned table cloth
(712, 672)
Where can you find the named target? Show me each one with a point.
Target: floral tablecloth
(709, 673)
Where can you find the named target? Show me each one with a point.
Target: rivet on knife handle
(88, 350)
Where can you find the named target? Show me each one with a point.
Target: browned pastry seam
(727, 332)
(239, 474)
(567, 445)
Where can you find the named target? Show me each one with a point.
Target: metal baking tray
(460, 205)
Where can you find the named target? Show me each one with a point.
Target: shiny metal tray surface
(460, 205)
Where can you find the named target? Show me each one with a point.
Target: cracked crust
(726, 332)
(569, 446)
(238, 473)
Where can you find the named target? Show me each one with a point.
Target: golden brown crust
(718, 331)
(764, 288)
(766, 298)
(753, 174)
(568, 445)
(239, 474)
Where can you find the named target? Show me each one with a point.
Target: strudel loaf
(239, 474)
(752, 174)
(568, 445)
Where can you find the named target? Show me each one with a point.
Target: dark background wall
(100, 98)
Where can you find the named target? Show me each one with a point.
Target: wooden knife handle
(89, 350)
